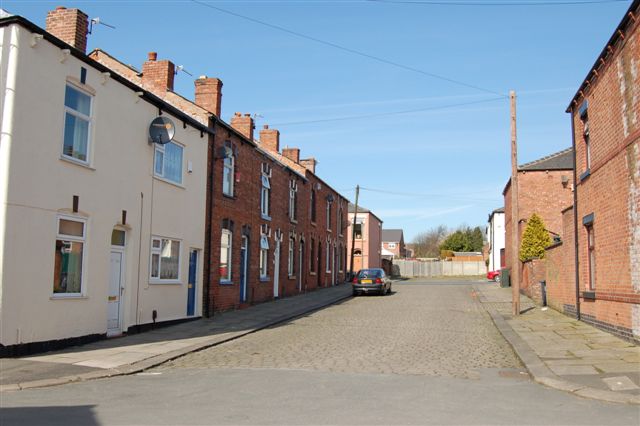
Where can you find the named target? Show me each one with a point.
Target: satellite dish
(161, 130)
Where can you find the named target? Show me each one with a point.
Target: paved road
(428, 354)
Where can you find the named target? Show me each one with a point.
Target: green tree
(534, 240)
(477, 239)
(464, 239)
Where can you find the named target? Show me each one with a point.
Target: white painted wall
(36, 185)
(496, 238)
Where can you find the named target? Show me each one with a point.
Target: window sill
(264, 279)
(265, 217)
(313, 223)
(165, 282)
(585, 175)
(224, 282)
(312, 274)
(76, 162)
(293, 221)
(170, 182)
(230, 197)
(589, 295)
(292, 277)
(72, 296)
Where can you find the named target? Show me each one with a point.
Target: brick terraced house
(544, 187)
(605, 218)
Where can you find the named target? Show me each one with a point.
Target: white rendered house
(101, 230)
(496, 238)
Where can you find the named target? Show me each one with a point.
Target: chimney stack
(292, 154)
(309, 164)
(70, 26)
(270, 139)
(243, 124)
(209, 94)
(158, 74)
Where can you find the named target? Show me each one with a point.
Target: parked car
(373, 280)
(493, 276)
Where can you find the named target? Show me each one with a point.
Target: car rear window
(370, 273)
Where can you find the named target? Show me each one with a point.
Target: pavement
(563, 353)
(139, 352)
(558, 351)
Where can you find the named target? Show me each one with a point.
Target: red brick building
(544, 187)
(275, 228)
(605, 118)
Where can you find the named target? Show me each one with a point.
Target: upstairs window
(77, 124)
(313, 205)
(168, 162)
(228, 170)
(265, 195)
(329, 215)
(357, 227)
(584, 116)
(293, 200)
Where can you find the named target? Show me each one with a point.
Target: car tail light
(355, 280)
(378, 281)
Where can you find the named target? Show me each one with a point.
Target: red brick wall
(533, 271)
(560, 268)
(244, 210)
(611, 189)
(69, 25)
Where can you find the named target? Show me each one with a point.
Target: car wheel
(355, 293)
(496, 278)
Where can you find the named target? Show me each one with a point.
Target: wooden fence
(437, 268)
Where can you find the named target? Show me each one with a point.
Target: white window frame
(73, 238)
(78, 114)
(293, 201)
(230, 167)
(159, 148)
(391, 245)
(328, 215)
(291, 262)
(264, 257)
(229, 248)
(265, 190)
(158, 251)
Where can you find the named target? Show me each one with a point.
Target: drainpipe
(575, 216)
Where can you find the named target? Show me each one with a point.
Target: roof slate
(391, 235)
(562, 160)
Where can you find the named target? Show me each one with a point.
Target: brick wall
(560, 268)
(533, 271)
(609, 188)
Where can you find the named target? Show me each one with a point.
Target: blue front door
(191, 293)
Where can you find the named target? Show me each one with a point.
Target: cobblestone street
(435, 329)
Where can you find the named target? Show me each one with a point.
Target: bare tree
(427, 244)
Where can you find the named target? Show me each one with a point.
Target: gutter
(575, 217)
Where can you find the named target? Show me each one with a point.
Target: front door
(300, 265)
(114, 308)
(244, 251)
(276, 270)
(191, 291)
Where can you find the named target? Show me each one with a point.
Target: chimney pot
(60, 8)
(266, 126)
(153, 56)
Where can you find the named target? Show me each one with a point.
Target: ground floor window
(225, 255)
(591, 244)
(165, 259)
(264, 256)
(69, 256)
(291, 264)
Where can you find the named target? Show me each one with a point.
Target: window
(358, 230)
(77, 124)
(264, 196)
(228, 170)
(329, 215)
(118, 237)
(327, 259)
(592, 257)
(291, 263)
(340, 259)
(69, 257)
(165, 259)
(293, 200)
(392, 245)
(313, 206)
(340, 214)
(264, 256)
(168, 162)
(584, 116)
(226, 246)
(312, 260)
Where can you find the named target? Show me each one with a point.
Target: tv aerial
(98, 21)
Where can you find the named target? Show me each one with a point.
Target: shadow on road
(53, 415)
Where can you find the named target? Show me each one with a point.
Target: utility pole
(353, 232)
(515, 239)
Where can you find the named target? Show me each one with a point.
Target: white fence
(437, 268)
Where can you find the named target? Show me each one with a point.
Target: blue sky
(444, 162)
